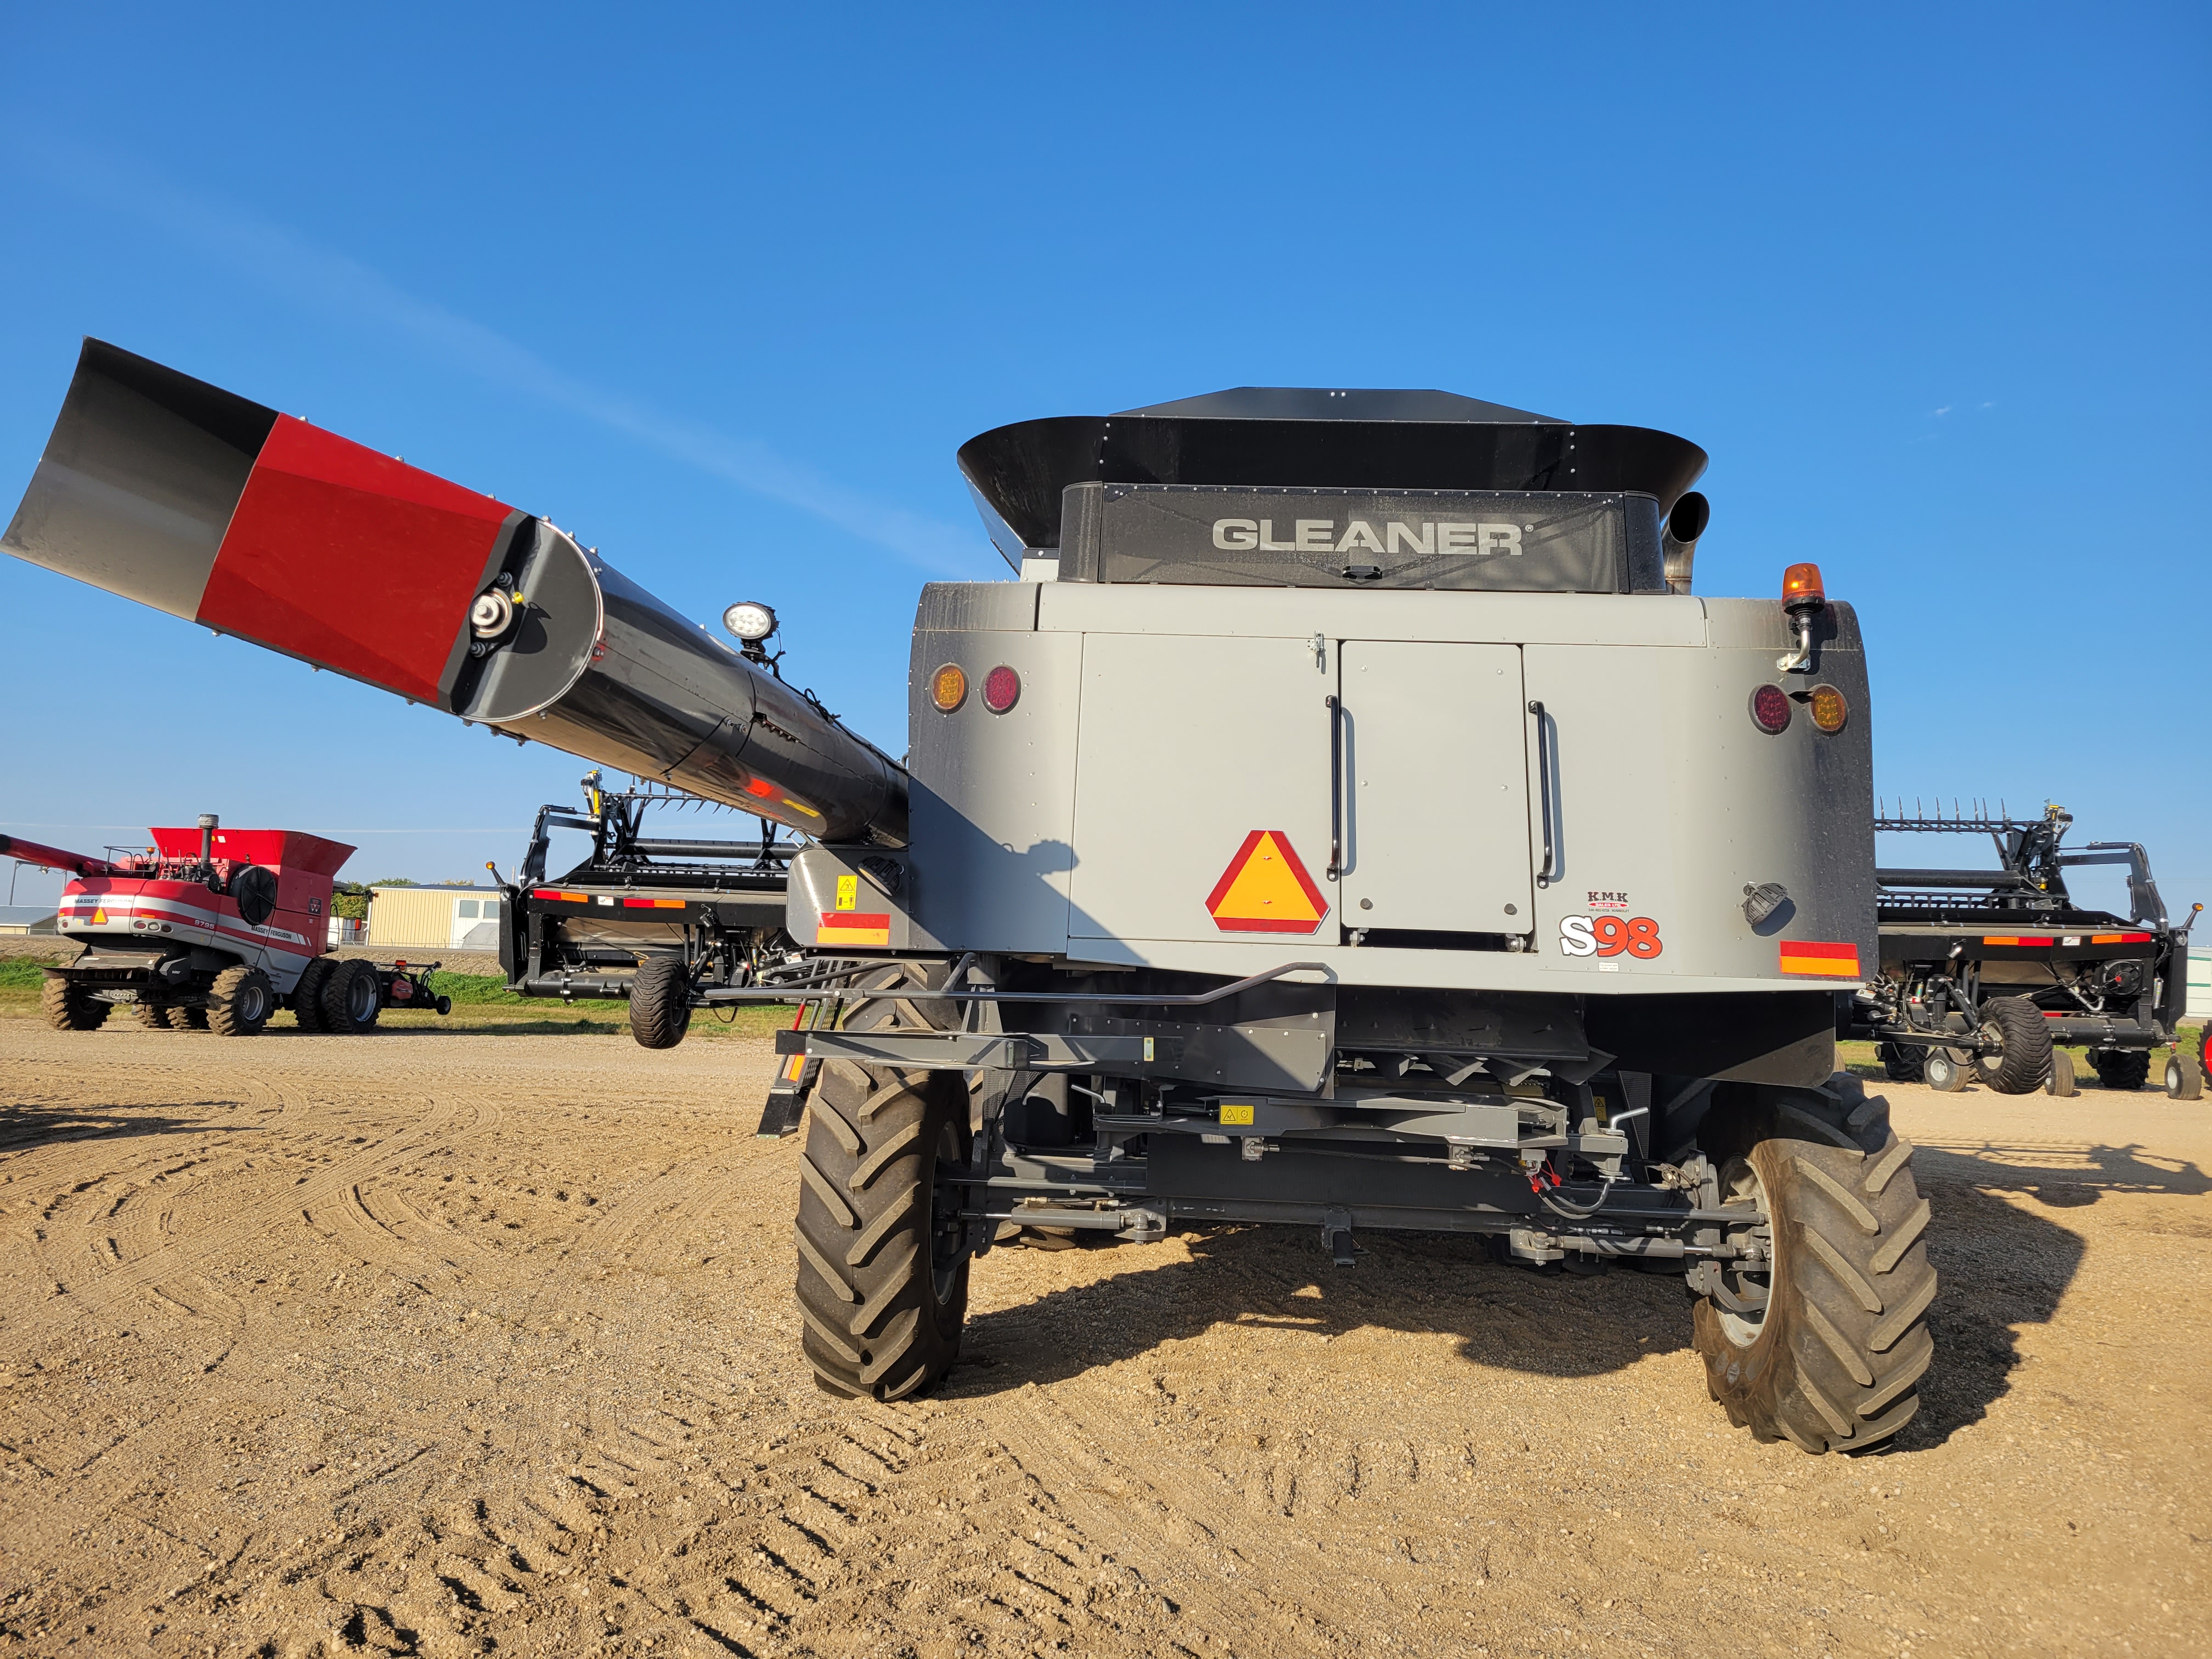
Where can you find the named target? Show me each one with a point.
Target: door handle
(1335, 788)
(1544, 875)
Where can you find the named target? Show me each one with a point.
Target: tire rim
(253, 1001)
(1990, 1060)
(360, 998)
(1749, 1282)
(947, 1234)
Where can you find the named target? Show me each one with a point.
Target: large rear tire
(1833, 1359)
(2022, 1059)
(68, 1009)
(2121, 1068)
(241, 1001)
(352, 999)
(307, 994)
(660, 1002)
(151, 1016)
(883, 1258)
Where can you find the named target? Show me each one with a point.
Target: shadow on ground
(2004, 1263)
(23, 1127)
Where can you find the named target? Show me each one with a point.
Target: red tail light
(1002, 689)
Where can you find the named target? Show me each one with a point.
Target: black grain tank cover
(1290, 437)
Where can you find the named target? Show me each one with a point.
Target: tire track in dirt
(1157, 1526)
(96, 1294)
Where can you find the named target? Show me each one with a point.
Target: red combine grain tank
(215, 928)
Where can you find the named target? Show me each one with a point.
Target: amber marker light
(1829, 710)
(1002, 688)
(948, 687)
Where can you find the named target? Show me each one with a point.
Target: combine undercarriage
(942, 1123)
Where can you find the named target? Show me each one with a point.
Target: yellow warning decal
(99, 918)
(848, 892)
(1265, 890)
(1234, 1113)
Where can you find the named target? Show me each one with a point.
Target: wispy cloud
(322, 279)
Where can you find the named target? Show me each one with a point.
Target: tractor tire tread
(68, 1009)
(226, 1016)
(2121, 1068)
(307, 994)
(336, 999)
(661, 1001)
(872, 1323)
(2023, 1063)
(1844, 1341)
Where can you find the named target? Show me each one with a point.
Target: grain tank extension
(1351, 818)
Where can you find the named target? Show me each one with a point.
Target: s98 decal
(1610, 936)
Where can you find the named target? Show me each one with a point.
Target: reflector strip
(2008, 938)
(1265, 890)
(556, 893)
(855, 927)
(1820, 958)
(653, 904)
(2119, 938)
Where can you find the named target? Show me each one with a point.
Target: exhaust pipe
(220, 510)
(208, 822)
(1679, 546)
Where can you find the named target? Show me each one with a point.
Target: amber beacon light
(1802, 600)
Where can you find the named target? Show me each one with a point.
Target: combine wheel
(2185, 1075)
(68, 1009)
(240, 1002)
(883, 1263)
(1830, 1339)
(2022, 1058)
(307, 994)
(351, 1000)
(1901, 1062)
(152, 1017)
(2062, 1082)
(2121, 1068)
(660, 1002)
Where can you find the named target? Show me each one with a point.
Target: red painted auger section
(347, 557)
(53, 858)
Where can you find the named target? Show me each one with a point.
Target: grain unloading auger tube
(220, 510)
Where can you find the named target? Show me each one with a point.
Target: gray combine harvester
(1350, 820)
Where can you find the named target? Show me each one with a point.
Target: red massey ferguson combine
(215, 929)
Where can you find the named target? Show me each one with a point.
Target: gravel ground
(442, 1343)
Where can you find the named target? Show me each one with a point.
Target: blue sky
(723, 291)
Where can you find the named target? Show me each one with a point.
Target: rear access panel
(1436, 785)
(1202, 791)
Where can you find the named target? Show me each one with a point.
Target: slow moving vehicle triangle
(1265, 890)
